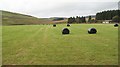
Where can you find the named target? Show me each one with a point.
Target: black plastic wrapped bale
(54, 25)
(116, 25)
(92, 31)
(65, 31)
(68, 25)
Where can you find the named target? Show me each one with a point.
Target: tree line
(113, 15)
(107, 15)
(76, 19)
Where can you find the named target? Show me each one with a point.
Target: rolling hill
(10, 18)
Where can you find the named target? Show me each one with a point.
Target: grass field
(44, 44)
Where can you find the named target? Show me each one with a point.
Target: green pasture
(45, 45)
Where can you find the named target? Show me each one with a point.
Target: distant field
(44, 44)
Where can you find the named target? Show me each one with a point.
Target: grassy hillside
(10, 18)
(44, 44)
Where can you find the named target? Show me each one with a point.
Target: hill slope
(10, 18)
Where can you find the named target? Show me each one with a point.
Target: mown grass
(0, 45)
(45, 44)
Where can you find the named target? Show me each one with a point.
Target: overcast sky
(58, 8)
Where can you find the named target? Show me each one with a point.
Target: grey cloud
(73, 9)
(65, 9)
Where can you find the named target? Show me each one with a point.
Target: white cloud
(48, 8)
